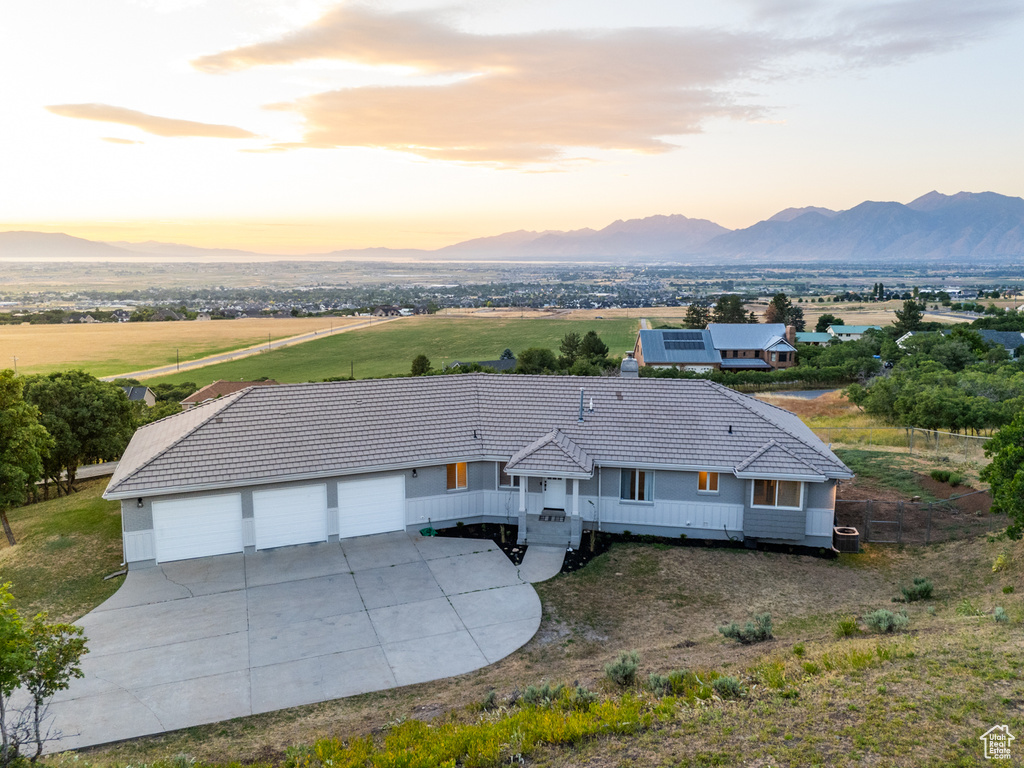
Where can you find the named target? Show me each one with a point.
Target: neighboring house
(851, 332)
(814, 339)
(299, 463)
(1011, 341)
(498, 365)
(219, 389)
(140, 394)
(387, 312)
(722, 346)
(203, 316)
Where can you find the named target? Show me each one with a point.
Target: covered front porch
(548, 473)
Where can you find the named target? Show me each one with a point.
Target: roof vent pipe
(581, 404)
(630, 368)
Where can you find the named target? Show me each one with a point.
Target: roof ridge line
(224, 403)
(743, 400)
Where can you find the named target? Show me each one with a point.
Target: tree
(698, 316)
(89, 420)
(507, 355)
(536, 360)
(1006, 474)
(909, 318)
(570, 349)
(420, 365)
(729, 309)
(782, 310)
(825, 321)
(40, 658)
(23, 444)
(592, 349)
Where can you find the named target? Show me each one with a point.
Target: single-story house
(143, 394)
(299, 463)
(813, 338)
(219, 389)
(721, 346)
(851, 332)
(1011, 341)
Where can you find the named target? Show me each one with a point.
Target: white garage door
(374, 505)
(286, 516)
(198, 527)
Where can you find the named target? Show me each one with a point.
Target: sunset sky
(307, 126)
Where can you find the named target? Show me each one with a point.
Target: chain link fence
(928, 442)
(917, 523)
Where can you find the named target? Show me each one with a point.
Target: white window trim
(776, 506)
(457, 488)
(718, 483)
(516, 479)
(649, 502)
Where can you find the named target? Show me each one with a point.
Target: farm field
(104, 349)
(389, 349)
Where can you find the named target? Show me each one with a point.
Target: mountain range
(964, 228)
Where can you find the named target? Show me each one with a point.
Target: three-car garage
(215, 524)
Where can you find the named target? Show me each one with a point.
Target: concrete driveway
(200, 641)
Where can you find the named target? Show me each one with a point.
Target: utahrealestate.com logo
(997, 742)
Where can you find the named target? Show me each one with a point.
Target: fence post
(928, 534)
(867, 520)
(911, 440)
(899, 522)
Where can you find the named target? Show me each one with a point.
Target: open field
(104, 349)
(390, 348)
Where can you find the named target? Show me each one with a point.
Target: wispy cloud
(119, 140)
(527, 98)
(158, 126)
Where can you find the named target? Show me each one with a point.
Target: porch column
(522, 494)
(575, 497)
(575, 523)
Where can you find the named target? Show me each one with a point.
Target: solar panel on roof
(684, 345)
(683, 336)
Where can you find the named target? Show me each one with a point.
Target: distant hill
(962, 228)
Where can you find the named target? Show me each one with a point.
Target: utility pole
(15, 359)
(268, 342)
(177, 359)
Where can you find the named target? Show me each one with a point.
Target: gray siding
(820, 495)
(482, 476)
(134, 518)
(788, 524)
(429, 481)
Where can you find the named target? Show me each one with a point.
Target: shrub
(883, 621)
(757, 631)
(966, 608)
(1000, 615)
(541, 696)
(847, 627)
(659, 685)
(921, 589)
(1000, 562)
(727, 687)
(622, 671)
(490, 701)
(1008, 590)
(581, 697)
(955, 479)
(941, 475)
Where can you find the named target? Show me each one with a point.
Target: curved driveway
(204, 640)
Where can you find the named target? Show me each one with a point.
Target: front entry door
(554, 493)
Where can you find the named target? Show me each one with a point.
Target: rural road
(238, 354)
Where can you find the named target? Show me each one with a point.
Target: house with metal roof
(813, 338)
(721, 346)
(851, 332)
(276, 466)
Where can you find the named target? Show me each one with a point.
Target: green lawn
(65, 548)
(390, 348)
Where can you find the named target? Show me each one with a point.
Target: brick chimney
(791, 334)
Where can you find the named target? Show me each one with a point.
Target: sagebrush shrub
(921, 589)
(1000, 615)
(955, 479)
(541, 696)
(756, 631)
(622, 671)
(941, 475)
(490, 701)
(727, 687)
(581, 697)
(883, 621)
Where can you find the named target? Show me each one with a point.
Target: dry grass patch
(106, 349)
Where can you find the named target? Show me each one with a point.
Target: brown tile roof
(221, 388)
(265, 434)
